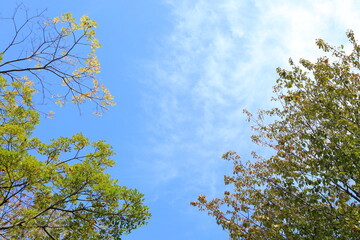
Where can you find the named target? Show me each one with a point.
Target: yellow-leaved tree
(49, 53)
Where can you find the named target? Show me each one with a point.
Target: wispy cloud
(221, 58)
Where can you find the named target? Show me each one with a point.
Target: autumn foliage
(57, 57)
(310, 187)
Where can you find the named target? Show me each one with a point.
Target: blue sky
(182, 72)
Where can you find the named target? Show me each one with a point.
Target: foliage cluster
(310, 187)
(57, 190)
(49, 53)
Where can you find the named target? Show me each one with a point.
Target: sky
(182, 71)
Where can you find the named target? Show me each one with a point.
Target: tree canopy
(57, 57)
(57, 190)
(310, 187)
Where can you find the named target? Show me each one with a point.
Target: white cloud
(221, 58)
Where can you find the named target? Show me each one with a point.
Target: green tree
(58, 190)
(310, 187)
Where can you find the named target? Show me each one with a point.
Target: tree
(49, 53)
(57, 190)
(310, 187)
